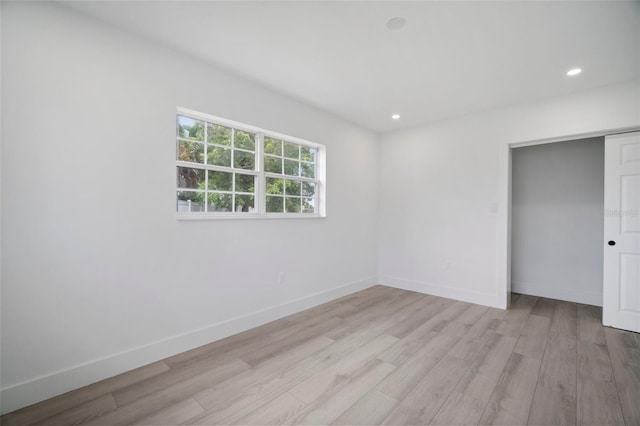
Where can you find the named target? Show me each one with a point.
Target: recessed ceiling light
(395, 116)
(574, 71)
(396, 23)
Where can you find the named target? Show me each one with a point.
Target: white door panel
(621, 297)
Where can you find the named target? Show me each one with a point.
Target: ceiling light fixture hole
(396, 23)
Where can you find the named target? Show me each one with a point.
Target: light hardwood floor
(382, 356)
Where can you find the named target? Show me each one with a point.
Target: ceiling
(451, 58)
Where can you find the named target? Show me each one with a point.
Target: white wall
(91, 286)
(557, 220)
(443, 207)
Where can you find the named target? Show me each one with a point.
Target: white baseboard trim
(555, 292)
(45, 387)
(442, 291)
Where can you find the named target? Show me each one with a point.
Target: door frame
(504, 204)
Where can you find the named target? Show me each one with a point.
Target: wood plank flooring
(382, 356)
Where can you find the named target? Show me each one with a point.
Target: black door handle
(612, 243)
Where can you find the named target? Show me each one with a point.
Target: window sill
(247, 216)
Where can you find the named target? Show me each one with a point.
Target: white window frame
(260, 189)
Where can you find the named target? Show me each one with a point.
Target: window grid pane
(272, 146)
(190, 201)
(275, 204)
(219, 201)
(190, 128)
(190, 151)
(218, 135)
(219, 181)
(244, 140)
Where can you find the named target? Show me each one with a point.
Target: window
(227, 169)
